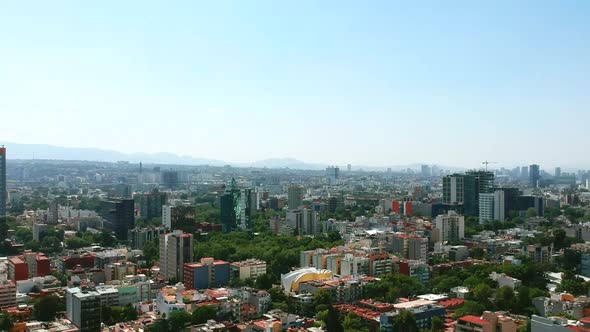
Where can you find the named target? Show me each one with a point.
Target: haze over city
(377, 84)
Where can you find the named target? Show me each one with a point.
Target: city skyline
(330, 83)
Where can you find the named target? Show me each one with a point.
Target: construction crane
(488, 162)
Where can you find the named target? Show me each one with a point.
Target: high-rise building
(176, 249)
(139, 237)
(425, 170)
(450, 227)
(499, 205)
(206, 274)
(295, 197)
(461, 191)
(534, 175)
(83, 309)
(332, 173)
(236, 211)
(53, 212)
(304, 221)
(349, 167)
(418, 248)
(485, 180)
(557, 171)
(150, 204)
(169, 179)
(524, 173)
(181, 217)
(119, 214)
(486, 207)
(3, 192)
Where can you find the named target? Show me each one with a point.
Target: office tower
(235, 208)
(119, 214)
(295, 197)
(450, 227)
(332, 173)
(176, 249)
(524, 173)
(169, 179)
(3, 192)
(526, 202)
(206, 274)
(426, 171)
(182, 217)
(534, 176)
(510, 199)
(349, 167)
(83, 309)
(139, 237)
(486, 207)
(460, 193)
(150, 204)
(557, 171)
(485, 180)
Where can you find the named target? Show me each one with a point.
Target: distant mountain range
(52, 152)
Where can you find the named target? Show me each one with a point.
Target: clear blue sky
(365, 82)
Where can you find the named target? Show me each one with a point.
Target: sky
(364, 82)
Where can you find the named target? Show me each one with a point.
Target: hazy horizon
(377, 83)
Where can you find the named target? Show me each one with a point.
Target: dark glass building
(236, 210)
(120, 216)
(150, 204)
(534, 175)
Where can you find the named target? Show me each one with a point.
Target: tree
(46, 308)
(470, 308)
(263, 281)
(332, 321)
(437, 324)
(405, 321)
(482, 293)
(531, 212)
(322, 300)
(352, 322)
(5, 322)
(202, 314)
(178, 320)
(505, 298)
(161, 325)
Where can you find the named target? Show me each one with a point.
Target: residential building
(415, 269)
(250, 268)
(206, 274)
(505, 280)
(304, 221)
(488, 322)
(119, 214)
(486, 207)
(449, 227)
(28, 265)
(176, 249)
(7, 294)
(417, 248)
(169, 299)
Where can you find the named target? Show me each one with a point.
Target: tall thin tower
(3, 193)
